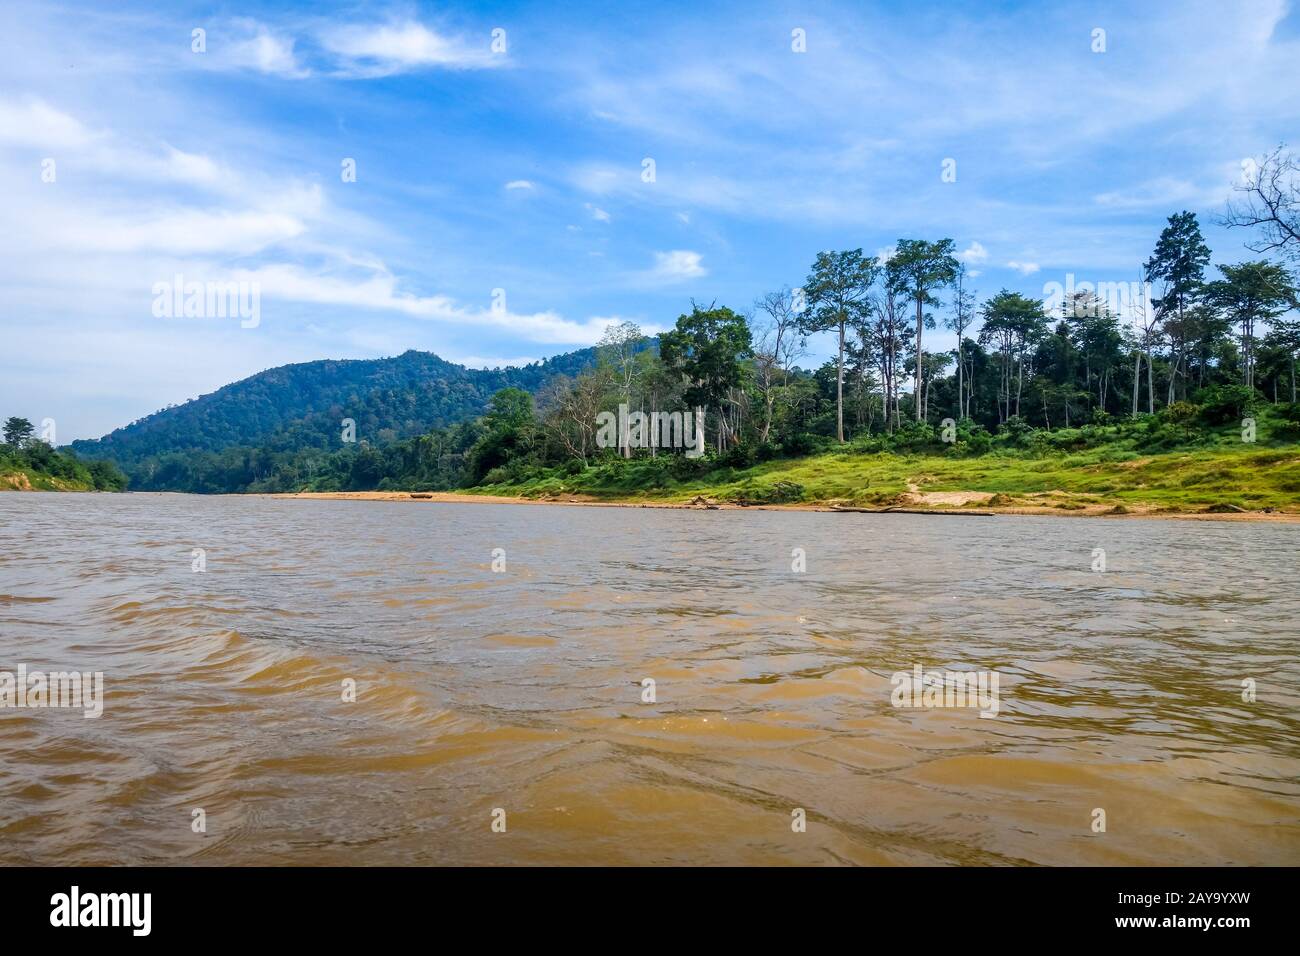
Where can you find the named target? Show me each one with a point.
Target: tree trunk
(839, 388)
(917, 396)
(1137, 378)
(1151, 385)
(961, 411)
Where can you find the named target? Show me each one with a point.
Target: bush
(1015, 431)
(1289, 411)
(740, 456)
(1180, 413)
(780, 492)
(1225, 404)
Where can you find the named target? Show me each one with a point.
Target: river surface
(516, 696)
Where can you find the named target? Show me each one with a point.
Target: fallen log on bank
(894, 509)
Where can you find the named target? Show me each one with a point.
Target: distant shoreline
(1093, 511)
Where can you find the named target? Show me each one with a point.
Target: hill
(230, 439)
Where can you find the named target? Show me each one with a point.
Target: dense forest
(1192, 351)
(1192, 346)
(27, 462)
(278, 428)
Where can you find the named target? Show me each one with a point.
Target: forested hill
(297, 408)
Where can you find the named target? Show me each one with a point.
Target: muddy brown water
(522, 690)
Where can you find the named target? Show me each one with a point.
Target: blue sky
(522, 170)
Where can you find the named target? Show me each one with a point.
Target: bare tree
(618, 348)
(571, 406)
(776, 346)
(1271, 203)
(963, 314)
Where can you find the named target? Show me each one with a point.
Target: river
(501, 655)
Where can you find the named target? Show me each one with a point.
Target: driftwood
(895, 510)
(420, 494)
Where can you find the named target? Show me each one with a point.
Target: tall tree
(775, 348)
(837, 292)
(922, 267)
(1178, 262)
(963, 313)
(1249, 294)
(18, 431)
(1013, 321)
(618, 348)
(708, 348)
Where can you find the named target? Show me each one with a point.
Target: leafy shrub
(1223, 404)
(1180, 413)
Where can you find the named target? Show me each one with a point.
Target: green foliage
(1222, 404)
(707, 348)
(277, 429)
(1030, 386)
(27, 462)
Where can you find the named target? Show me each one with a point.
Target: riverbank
(1229, 482)
(935, 504)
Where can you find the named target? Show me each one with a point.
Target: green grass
(1111, 468)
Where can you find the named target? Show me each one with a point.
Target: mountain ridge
(302, 406)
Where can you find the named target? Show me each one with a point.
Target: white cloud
(35, 123)
(1024, 268)
(384, 49)
(520, 184)
(973, 253)
(266, 52)
(677, 265)
(379, 290)
(597, 213)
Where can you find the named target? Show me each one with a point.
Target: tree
(1179, 262)
(775, 349)
(509, 426)
(890, 340)
(1271, 203)
(837, 290)
(1285, 335)
(1013, 322)
(922, 266)
(963, 313)
(708, 348)
(1097, 337)
(618, 349)
(1251, 293)
(572, 406)
(18, 432)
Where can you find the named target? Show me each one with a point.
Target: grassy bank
(1143, 467)
(40, 468)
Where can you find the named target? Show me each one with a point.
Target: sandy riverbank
(961, 503)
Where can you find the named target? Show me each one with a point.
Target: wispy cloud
(264, 51)
(677, 266)
(383, 49)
